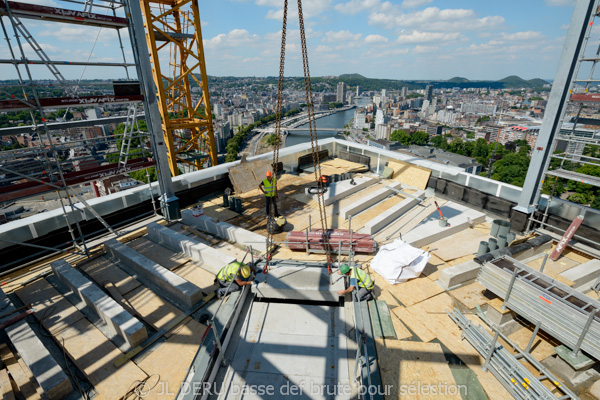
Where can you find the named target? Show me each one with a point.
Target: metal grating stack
(511, 373)
(566, 314)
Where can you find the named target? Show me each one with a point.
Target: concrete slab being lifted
(49, 375)
(153, 274)
(298, 281)
(210, 259)
(459, 218)
(120, 323)
(225, 231)
(338, 190)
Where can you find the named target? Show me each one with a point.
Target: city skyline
(404, 40)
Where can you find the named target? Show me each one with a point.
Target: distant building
(404, 92)
(385, 144)
(383, 131)
(433, 130)
(328, 98)
(359, 118)
(341, 92)
(429, 92)
(358, 91)
(443, 157)
(479, 107)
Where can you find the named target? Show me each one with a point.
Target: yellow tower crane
(173, 33)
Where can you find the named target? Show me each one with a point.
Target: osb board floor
(415, 290)
(102, 270)
(408, 221)
(177, 353)
(52, 309)
(541, 347)
(553, 268)
(157, 253)
(403, 363)
(471, 295)
(219, 212)
(433, 268)
(155, 311)
(94, 355)
(410, 174)
(198, 276)
(459, 245)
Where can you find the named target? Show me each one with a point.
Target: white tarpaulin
(398, 262)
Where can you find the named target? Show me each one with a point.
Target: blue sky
(410, 39)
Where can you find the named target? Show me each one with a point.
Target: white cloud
(375, 39)
(341, 36)
(235, 38)
(310, 9)
(355, 6)
(323, 49)
(560, 3)
(424, 37)
(415, 3)
(425, 49)
(436, 19)
(564, 27)
(522, 36)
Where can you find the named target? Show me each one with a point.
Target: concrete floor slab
(459, 218)
(298, 283)
(389, 216)
(368, 201)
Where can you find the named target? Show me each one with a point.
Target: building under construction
(482, 289)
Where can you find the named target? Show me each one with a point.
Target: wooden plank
(31, 377)
(381, 320)
(415, 290)
(541, 347)
(410, 174)
(54, 312)
(459, 245)
(26, 387)
(198, 276)
(155, 311)
(553, 268)
(414, 324)
(6, 389)
(93, 354)
(103, 270)
(157, 253)
(243, 180)
(172, 359)
(404, 363)
(217, 211)
(470, 295)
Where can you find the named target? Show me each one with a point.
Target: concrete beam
(119, 322)
(210, 259)
(338, 190)
(225, 231)
(366, 202)
(48, 374)
(459, 218)
(298, 283)
(584, 273)
(391, 214)
(153, 274)
(459, 274)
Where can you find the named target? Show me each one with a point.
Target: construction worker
(269, 187)
(228, 273)
(364, 281)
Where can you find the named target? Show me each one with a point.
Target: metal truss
(173, 32)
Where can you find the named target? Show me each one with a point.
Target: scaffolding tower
(54, 162)
(573, 97)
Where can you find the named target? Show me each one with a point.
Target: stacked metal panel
(563, 312)
(511, 373)
(361, 243)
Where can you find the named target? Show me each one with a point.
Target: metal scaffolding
(64, 154)
(577, 72)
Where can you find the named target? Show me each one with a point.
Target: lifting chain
(313, 135)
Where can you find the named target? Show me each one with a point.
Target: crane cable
(313, 137)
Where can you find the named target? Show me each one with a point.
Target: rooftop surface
(275, 343)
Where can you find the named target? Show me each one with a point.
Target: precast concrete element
(338, 190)
(458, 274)
(153, 274)
(393, 213)
(583, 275)
(118, 321)
(368, 201)
(210, 259)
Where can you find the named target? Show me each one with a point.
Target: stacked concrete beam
(153, 274)
(393, 213)
(583, 275)
(209, 259)
(366, 202)
(119, 322)
(225, 231)
(47, 372)
(338, 190)
(298, 283)
(458, 217)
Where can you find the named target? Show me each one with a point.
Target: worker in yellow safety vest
(236, 272)
(269, 187)
(363, 280)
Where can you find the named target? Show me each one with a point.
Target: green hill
(458, 79)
